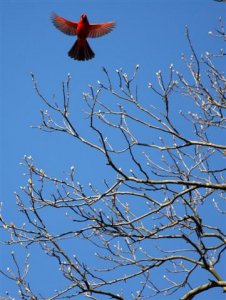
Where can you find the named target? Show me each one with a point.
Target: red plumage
(81, 49)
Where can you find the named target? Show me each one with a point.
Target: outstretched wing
(97, 30)
(66, 26)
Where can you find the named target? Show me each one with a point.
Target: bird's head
(84, 18)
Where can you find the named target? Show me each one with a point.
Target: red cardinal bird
(81, 49)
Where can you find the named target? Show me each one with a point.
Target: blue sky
(149, 33)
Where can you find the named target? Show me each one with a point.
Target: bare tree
(146, 221)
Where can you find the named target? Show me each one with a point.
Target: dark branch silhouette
(148, 219)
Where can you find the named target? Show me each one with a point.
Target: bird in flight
(83, 29)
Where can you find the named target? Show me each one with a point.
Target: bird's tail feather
(81, 50)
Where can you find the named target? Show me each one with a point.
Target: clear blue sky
(149, 33)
